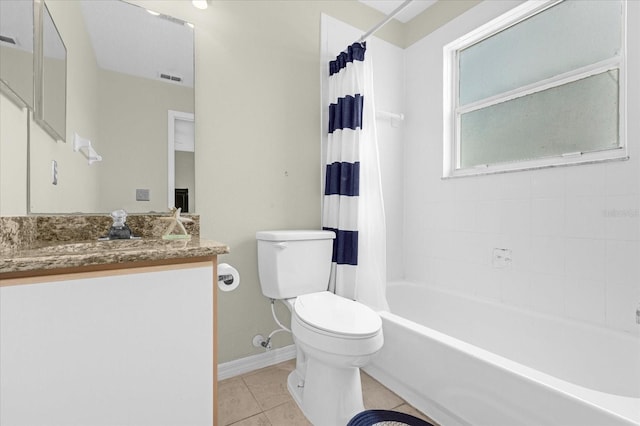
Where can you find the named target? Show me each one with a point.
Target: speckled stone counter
(116, 252)
(18, 232)
(46, 243)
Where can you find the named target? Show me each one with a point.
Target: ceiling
(130, 40)
(415, 8)
(127, 39)
(16, 22)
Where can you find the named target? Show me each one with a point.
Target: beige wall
(77, 188)
(13, 158)
(257, 132)
(132, 139)
(258, 135)
(16, 69)
(434, 17)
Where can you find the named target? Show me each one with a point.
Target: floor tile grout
(264, 379)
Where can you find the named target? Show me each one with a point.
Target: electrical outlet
(501, 257)
(142, 195)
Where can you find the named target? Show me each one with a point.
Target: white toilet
(334, 336)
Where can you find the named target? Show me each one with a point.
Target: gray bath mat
(386, 418)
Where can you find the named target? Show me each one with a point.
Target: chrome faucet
(119, 230)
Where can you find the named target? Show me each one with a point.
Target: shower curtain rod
(384, 21)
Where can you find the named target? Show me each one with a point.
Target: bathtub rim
(519, 309)
(631, 338)
(622, 407)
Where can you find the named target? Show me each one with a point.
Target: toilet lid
(337, 315)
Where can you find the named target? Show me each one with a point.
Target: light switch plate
(54, 172)
(142, 195)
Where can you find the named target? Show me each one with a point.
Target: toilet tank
(292, 263)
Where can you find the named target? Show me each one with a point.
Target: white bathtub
(472, 362)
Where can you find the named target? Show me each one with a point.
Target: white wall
(574, 231)
(388, 81)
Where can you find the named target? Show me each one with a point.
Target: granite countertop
(56, 255)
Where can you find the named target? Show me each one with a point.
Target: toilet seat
(338, 316)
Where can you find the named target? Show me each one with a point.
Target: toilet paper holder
(226, 278)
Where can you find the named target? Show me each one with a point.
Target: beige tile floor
(261, 398)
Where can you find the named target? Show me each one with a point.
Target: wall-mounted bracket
(84, 146)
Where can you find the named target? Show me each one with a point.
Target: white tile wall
(488, 214)
(622, 261)
(574, 231)
(585, 258)
(516, 216)
(516, 288)
(585, 299)
(621, 303)
(548, 255)
(547, 293)
(586, 180)
(547, 216)
(622, 217)
(548, 183)
(583, 216)
(617, 177)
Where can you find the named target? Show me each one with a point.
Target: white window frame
(452, 112)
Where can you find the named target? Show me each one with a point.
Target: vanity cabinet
(126, 346)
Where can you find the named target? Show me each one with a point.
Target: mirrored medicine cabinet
(51, 75)
(17, 51)
(33, 63)
(115, 73)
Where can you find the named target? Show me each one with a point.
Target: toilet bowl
(334, 336)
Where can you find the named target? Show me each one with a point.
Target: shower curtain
(352, 203)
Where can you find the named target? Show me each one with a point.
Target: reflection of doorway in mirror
(181, 154)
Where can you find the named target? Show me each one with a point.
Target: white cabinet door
(124, 349)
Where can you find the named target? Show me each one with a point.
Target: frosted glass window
(552, 122)
(541, 85)
(567, 36)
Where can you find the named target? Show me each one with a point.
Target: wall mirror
(16, 51)
(127, 68)
(51, 77)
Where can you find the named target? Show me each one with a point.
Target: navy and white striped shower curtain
(352, 203)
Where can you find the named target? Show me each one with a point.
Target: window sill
(619, 154)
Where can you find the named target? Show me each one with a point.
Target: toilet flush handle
(282, 245)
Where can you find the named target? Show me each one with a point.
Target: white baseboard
(236, 367)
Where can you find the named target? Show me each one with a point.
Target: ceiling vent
(7, 39)
(169, 77)
(171, 19)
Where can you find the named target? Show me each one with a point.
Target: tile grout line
(262, 411)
